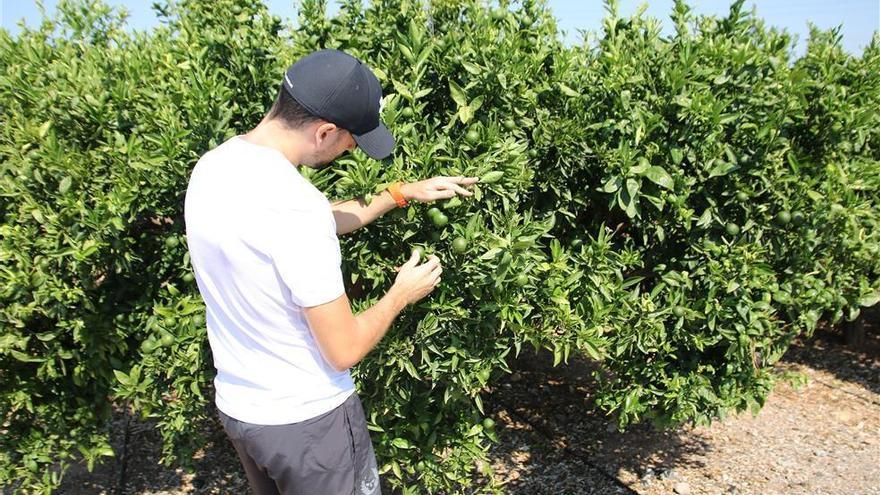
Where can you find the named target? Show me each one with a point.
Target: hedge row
(677, 208)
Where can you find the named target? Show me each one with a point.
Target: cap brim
(377, 143)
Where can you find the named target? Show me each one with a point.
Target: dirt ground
(820, 438)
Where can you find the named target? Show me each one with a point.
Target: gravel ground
(820, 438)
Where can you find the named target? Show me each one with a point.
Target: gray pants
(330, 454)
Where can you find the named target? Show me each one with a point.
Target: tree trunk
(854, 332)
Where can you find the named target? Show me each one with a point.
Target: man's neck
(273, 135)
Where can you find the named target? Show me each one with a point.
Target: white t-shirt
(262, 243)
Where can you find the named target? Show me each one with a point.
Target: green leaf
(452, 202)
(472, 68)
(457, 94)
(490, 254)
(722, 168)
(476, 103)
(612, 184)
(421, 93)
(492, 177)
(659, 176)
(401, 443)
(869, 299)
(632, 188)
(568, 91)
(44, 129)
(720, 79)
(64, 185)
(407, 53)
(591, 349)
(401, 89)
(410, 368)
(677, 156)
(20, 356)
(641, 168)
(706, 218)
(121, 377)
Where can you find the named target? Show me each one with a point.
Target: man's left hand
(436, 188)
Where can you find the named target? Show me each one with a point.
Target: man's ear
(323, 132)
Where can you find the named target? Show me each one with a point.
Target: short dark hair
(289, 112)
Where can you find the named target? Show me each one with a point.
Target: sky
(859, 19)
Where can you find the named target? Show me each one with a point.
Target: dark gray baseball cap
(341, 89)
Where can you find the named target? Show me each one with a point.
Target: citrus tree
(677, 208)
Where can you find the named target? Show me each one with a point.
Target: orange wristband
(394, 189)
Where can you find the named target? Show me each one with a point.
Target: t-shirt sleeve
(305, 251)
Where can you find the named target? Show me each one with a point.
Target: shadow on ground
(556, 403)
(217, 469)
(827, 351)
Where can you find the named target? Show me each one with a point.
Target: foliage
(677, 208)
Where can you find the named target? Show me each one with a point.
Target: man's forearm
(355, 213)
(374, 323)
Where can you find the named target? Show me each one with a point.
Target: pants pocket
(330, 445)
(349, 436)
(230, 426)
(365, 469)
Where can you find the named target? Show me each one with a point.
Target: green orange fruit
(459, 245)
(149, 345)
(783, 217)
(440, 220)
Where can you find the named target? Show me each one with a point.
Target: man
(263, 246)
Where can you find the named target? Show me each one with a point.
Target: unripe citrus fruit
(440, 220)
(459, 245)
(783, 217)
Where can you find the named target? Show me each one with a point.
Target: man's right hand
(344, 339)
(415, 281)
